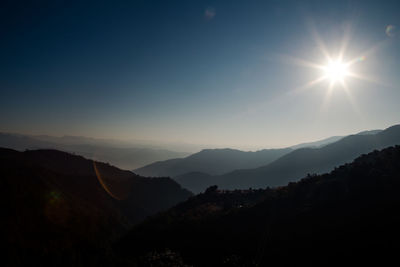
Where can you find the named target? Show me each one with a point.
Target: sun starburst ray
(300, 62)
(327, 97)
(309, 85)
(345, 42)
(336, 70)
(318, 40)
(350, 98)
(368, 79)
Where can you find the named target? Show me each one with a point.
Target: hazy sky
(221, 73)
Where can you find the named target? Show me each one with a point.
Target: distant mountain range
(61, 206)
(349, 216)
(232, 169)
(319, 143)
(330, 140)
(309, 160)
(221, 161)
(120, 154)
(212, 162)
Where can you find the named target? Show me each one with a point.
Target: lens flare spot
(390, 30)
(56, 208)
(117, 186)
(360, 59)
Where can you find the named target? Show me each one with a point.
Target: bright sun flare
(336, 71)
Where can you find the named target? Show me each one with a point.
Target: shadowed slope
(197, 181)
(350, 215)
(58, 213)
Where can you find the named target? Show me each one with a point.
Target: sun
(336, 71)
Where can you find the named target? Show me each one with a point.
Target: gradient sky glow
(219, 73)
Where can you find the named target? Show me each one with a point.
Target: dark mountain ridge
(66, 210)
(347, 216)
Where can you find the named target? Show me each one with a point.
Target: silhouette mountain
(65, 210)
(195, 180)
(212, 162)
(117, 153)
(347, 216)
(319, 143)
(369, 132)
(330, 140)
(298, 163)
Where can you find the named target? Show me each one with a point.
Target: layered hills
(66, 210)
(347, 216)
(212, 162)
(309, 160)
(294, 163)
(124, 155)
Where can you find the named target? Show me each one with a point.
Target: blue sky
(218, 73)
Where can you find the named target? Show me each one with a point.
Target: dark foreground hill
(64, 210)
(349, 217)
